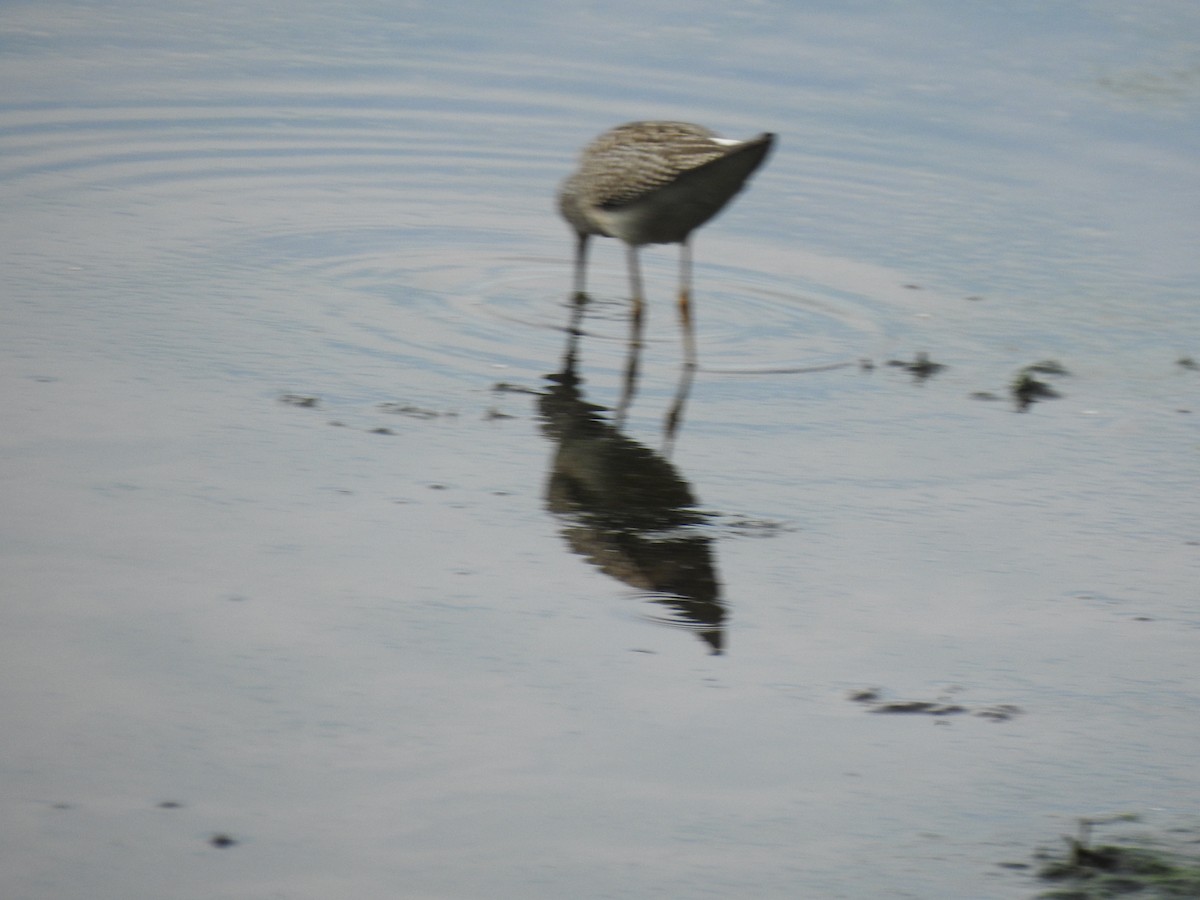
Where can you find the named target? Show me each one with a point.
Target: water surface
(304, 542)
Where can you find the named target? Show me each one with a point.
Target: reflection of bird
(628, 512)
(626, 509)
(655, 183)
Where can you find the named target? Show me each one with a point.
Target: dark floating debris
(872, 699)
(414, 412)
(1186, 362)
(222, 840)
(866, 695)
(300, 400)
(1002, 712)
(1047, 367)
(170, 804)
(505, 387)
(1110, 870)
(927, 707)
(1027, 390)
(921, 367)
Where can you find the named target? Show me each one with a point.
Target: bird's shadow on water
(624, 507)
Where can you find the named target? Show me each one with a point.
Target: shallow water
(296, 539)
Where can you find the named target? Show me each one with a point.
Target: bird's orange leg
(685, 303)
(635, 288)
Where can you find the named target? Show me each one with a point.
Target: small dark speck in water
(222, 840)
(866, 695)
(504, 387)
(1000, 713)
(170, 804)
(1047, 367)
(299, 400)
(414, 412)
(921, 367)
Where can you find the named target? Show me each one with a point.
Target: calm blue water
(376, 638)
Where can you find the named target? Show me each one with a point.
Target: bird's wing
(628, 163)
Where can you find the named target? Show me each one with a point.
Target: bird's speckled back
(632, 160)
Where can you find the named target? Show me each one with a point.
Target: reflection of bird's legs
(685, 303)
(581, 249)
(579, 300)
(574, 332)
(635, 333)
(675, 414)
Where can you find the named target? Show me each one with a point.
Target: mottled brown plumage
(655, 183)
(632, 160)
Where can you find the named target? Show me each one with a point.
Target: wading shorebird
(655, 183)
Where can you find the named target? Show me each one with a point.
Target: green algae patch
(1145, 867)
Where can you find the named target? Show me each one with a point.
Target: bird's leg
(574, 333)
(635, 287)
(581, 249)
(635, 335)
(685, 303)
